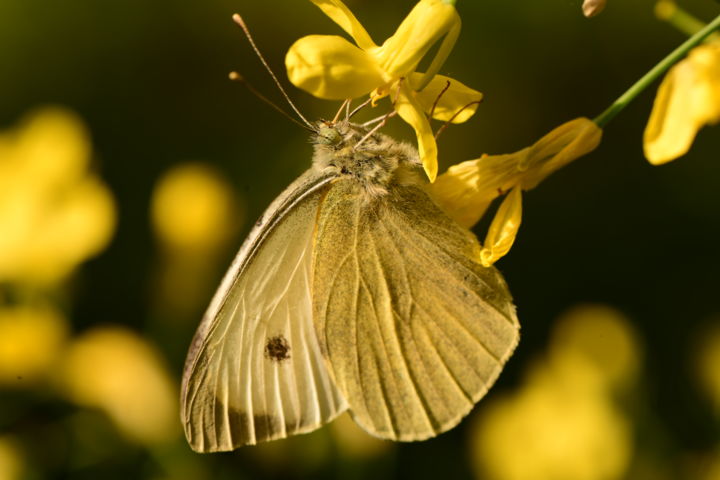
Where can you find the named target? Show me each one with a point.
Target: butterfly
(354, 291)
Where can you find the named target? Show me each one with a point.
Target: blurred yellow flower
(195, 213)
(687, 100)
(355, 442)
(294, 457)
(115, 370)
(712, 469)
(332, 68)
(11, 460)
(564, 422)
(551, 429)
(31, 341)
(194, 209)
(708, 364)
(53, 213)
(602, 338)
(466, 190)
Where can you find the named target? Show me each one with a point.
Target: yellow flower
(710, 467)
(353, 442)
(466, 190)
(552, 428)
(194, 209)
(31, 340)
(53, 213)
(113, 369)
(195, 213)
(564, 418)
(11, 459)
(332, 68)
(707, 353)
(600, 337)
(687, 100)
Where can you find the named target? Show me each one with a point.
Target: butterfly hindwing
(415, 330)
(255, 371)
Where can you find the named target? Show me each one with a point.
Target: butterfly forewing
(255, 371)
(415, 330)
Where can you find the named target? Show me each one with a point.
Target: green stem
(680, 52)
(668, 11)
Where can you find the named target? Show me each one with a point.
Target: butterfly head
(372, 159)
(328, 134)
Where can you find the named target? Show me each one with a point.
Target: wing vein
(394, 316)
(430, 258)
(452, 345)
(408, 287)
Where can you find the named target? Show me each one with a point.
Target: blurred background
(131, 169)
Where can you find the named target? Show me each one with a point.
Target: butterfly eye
(329, 136)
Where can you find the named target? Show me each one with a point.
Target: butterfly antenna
(236, 77)
(347, 110)
(344, 106)
(437, 99)
(359, 107)
(239, 20)
(375, 120)
(383, 121)
(455, 115)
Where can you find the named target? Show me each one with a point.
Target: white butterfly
(354, 291)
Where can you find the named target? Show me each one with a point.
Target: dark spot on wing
(277, 348)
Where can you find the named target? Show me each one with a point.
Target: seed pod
(593, 7)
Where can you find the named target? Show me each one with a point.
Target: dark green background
(150, 80)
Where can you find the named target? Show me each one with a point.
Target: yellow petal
(411, 111)
(332, 68)
(427, 23)
(443, 52)
(503, 229)
(561, 146)
(341, 14)
(688, 99)
(457, 100)
(466, 189)
(117, 371)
